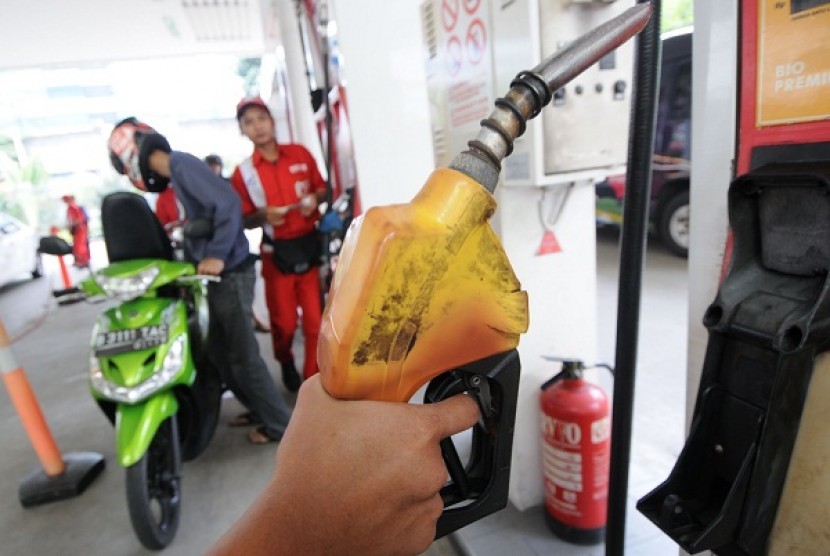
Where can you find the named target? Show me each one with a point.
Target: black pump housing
(768, 323)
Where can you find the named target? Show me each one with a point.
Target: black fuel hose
(632, 250)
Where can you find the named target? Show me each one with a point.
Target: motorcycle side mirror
(199, 228)
(53, 245)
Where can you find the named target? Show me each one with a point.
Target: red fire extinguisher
(576, 454)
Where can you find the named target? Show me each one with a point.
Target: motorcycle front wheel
(154, 489)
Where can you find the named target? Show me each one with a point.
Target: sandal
(260, 436)
(244, 420)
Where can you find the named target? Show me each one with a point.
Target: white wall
(562, 295)
(387, 96)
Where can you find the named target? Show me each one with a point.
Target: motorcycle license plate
(131, 339)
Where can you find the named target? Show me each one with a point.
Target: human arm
(215, 201)
(252, 216)
(352, 477)
(255, 219)
(272, 215)
(210, 266)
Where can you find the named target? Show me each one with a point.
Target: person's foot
(244, 420)
(290, 376)
(260, 435)
(260, 326)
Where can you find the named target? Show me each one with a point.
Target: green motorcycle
(148, 370)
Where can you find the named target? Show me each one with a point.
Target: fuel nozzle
(531, 90)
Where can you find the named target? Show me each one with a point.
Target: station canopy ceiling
(50, 33)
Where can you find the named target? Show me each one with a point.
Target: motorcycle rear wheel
(154, 489)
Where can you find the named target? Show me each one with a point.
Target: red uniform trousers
(80, 245)
(283, 294)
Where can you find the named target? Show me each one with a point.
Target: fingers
(278, 211)
(276, 215)
(441, 419)
(422, 530)
(451, 416)
(212, 267)
(308, 205)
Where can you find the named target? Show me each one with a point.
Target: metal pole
(632, 251)
(324, 41)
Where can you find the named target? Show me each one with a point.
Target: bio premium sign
(793, 61)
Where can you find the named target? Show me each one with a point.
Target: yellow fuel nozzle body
(420, 288)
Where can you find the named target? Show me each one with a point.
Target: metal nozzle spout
(531, 90)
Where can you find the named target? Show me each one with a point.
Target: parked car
(669, 208)
(19, 255)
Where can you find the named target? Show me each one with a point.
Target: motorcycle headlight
(127, 287)
(170, 368)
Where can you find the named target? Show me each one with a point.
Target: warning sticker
(793, 61)
(464, 40)
(549, 245)
(449, 14)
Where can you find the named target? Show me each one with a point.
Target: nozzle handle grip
(480, 487)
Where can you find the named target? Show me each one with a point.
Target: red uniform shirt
(287, 180)
(167, 208)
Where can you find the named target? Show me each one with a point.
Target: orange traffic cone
(69, 293)
(61, 476)
(67, 280)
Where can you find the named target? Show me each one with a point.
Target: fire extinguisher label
(600, 430)
(563, 469)
(575, 465)
(561, 432)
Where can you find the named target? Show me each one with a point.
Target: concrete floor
(51, 345)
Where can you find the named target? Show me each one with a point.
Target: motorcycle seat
(131, 229)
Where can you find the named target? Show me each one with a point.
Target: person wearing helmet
(281, 187)
(145, 157)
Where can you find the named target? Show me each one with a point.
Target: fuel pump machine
(751, 478)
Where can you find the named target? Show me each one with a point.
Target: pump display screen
(801, 5)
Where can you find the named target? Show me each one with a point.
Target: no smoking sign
(466, 34)
(449, 14)
(476, 41)
(454, 55)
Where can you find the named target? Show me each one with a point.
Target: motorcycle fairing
(136, 425)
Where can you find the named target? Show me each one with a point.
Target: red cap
(247, 102)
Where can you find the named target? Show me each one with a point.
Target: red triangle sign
(549, 244)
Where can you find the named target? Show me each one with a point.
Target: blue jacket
(203, 194)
